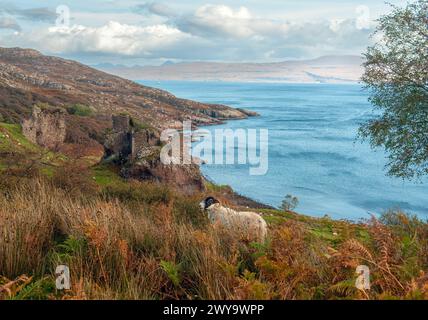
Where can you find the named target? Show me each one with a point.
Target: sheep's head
(208, 202)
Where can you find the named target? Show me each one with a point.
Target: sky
(133, 32)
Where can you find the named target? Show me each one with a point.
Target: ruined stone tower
(46, 127)
(127, 142)
(137, 150)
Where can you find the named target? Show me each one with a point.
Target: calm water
(312, 149)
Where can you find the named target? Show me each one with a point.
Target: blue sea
(313, 151)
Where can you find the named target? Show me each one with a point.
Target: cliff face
(46, 127)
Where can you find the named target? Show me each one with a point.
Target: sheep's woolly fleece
(249, 226)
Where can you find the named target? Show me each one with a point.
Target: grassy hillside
(29, 78)
(135, 240)
(12, 140)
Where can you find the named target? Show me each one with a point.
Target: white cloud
(335, 24)
(211, 32)
(222, 12)
(9, 23)
(112, 38)
(218, 20)
(157, 8)
(34, 14)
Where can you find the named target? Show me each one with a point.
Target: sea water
(313, 151)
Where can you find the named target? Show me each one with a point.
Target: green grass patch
(12, 139)
(323, 234)
(106, 175)
(80, 110)
(212, 187)
(48, 171)
(324, 229)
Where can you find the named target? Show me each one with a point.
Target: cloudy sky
(150, 32)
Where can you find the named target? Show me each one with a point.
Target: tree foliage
(289, 203)
(396, 75)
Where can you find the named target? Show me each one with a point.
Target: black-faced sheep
(247, 225)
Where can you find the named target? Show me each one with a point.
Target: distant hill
(327, 69)
(28, 77)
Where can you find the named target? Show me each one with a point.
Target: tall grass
(145, 241)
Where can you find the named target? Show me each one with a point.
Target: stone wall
(127, 142)
(121, 123)
(141, 140)
(46, 127)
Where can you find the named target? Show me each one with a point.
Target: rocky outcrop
(186, 178)
(8, 72)
(222, 113)
(46, 127)
(137, 151)
(248, 112)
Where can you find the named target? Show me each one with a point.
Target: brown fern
(356, 248)
(384, 242)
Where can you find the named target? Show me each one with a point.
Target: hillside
(328, 69)
(27, 77)
(138, 240)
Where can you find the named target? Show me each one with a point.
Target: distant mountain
(167, 63)
(327, 69)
